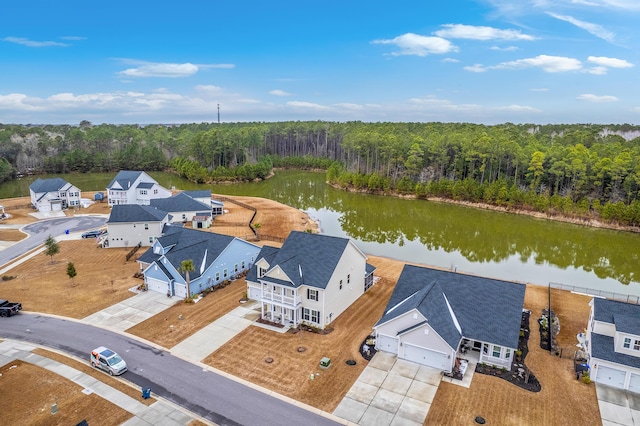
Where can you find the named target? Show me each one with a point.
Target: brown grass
(43, 286)
(12, 235)
(96, 374)
(166, 329)
(563, 400)
(31, 405)
(289, 373)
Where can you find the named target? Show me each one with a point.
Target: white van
(107, 360)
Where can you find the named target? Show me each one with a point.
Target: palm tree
(185, 267)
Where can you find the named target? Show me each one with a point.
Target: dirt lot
(33, 407)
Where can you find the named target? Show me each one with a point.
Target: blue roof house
(216, 258)
(54, 194)
(310, 280)
(134, 187)
(433, 315)
(613, 344)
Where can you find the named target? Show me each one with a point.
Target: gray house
(133, 224)
(53, 194)
(216, 258)
(613, 344)
(182, 207)
(433, 315)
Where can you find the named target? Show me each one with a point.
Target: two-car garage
(427, 357)
(617, 378)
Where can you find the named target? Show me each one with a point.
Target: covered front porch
(279, 314)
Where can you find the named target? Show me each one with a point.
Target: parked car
(93, 234)
(9, 308)
(107, 360)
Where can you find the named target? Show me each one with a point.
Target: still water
(487, 243)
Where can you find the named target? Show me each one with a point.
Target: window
(340, 284)
(507, 353)
(235, 268)
(262, 272)
(218, 276)
(627, 343)
(151, 239)
(312, 294)
(143, 192)
(496, 351)
(485, 348)
(146, 226)
(636, 345)
(348, 278)
(310, 315)
(225, 273)
(184, 216)
(243, 265)
(155, 191)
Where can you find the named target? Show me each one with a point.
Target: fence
(627, 298)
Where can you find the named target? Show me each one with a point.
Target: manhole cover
(268, 360)
(351, 362)
(301, 349)
(480, 420)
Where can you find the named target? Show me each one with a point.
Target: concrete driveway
(618, 407)
(390, 391)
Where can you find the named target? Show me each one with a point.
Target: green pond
(492, 244)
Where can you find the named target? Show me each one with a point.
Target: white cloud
(517, 108)
(597, 70)
(610, 62)
(310, 105)
(278, 92)
(73, 38)
(595, 98)
(452, 60)
(505, 49)
(539, 89)
(19, 102)
(414, 44)
(476, 68)
(480, 33)
(595, 29)
(33, 43)
(161, 70)
(349, 106)
(546, 62)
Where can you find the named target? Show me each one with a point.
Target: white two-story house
(134, 187)
(613, 344)
(53, 194)
(133, 224)
(311, 279)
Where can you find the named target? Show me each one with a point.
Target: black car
(92, 234)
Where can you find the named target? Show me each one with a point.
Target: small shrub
(188, 300)
(8, 277)
(504, 369)
(585, 378)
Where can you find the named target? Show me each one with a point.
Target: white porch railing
(293, 301)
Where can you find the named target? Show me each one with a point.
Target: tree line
(564, 168)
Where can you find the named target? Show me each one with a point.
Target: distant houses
(55, 194)
(134, 187)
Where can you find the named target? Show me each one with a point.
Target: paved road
(39, 231)
(206, 393)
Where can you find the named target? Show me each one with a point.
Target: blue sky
(480, 61)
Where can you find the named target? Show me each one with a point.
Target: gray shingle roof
(146, 185)
(179, 203)
(198, 193)
(625, 316)
(48, 185)
(316, 255)
(191, 244)
(487, 310)
(267, 253)
(123, 213)
(602, 347)
(125, 178)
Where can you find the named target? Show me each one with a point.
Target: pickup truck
(9, 308)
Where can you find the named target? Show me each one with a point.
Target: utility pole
(218, 113)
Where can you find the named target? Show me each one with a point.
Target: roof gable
(625, 316)
(126, 178)
(179, 203)
(48, 185)
(123, 213)
(484, 309)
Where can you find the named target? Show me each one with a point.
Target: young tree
(71, 272)
(52, 247)
(185, 267)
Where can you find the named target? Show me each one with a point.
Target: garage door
(387, 344)
(156, 285)
(611, 376)
(180, 290)
(634, 383)
(427, 357)
(254, 293)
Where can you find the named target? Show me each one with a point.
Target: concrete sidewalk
(132, 311)
(208, 339)
(390, 391)
(161, 413)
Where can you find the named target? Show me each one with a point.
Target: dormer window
(629, 344)
(262, 272)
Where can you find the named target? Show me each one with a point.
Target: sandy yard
(42, 286)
